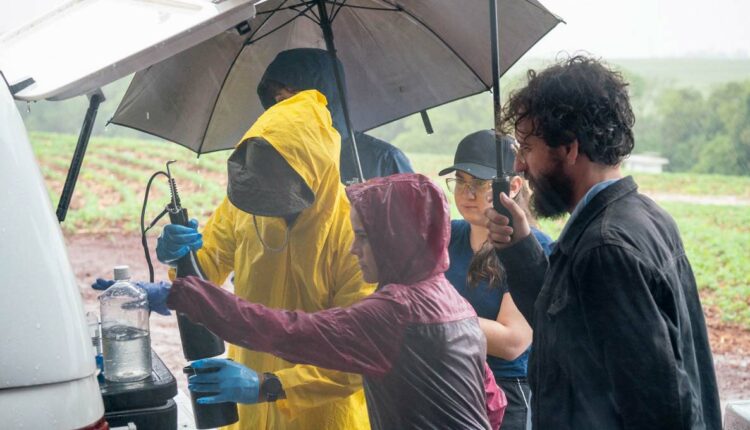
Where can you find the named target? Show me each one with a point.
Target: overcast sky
(607, 28)
(649, 28)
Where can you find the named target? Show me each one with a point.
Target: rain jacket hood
(407, 221)
(261, 182)
(306, 69)
(293, 128)
(312, 270)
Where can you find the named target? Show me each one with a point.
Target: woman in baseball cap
(476, 272)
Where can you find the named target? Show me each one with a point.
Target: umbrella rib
(316, 20)
(282, 7)
(437, 36)
(343, 4)
(239, 52)
(351, 6)
(262, 24)
(336, 11)
(302, 13)
(218, 95)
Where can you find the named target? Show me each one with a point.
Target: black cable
(144, 242)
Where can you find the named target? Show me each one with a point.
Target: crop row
(112, 182)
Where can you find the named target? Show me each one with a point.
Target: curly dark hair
(577, 98)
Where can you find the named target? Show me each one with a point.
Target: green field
(111, 187)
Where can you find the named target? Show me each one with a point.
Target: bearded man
(620, 339)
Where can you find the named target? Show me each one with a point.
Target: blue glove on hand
(177, 240)
(157, 293)
(231, 381)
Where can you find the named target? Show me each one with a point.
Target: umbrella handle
(501, 182)
(325, 26)
(501, 185)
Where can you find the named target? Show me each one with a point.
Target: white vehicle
(47, 370)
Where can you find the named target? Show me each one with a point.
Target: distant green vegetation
(110, 192)
(690, 184)
(692, 111)
(701, 73)
(717, 242)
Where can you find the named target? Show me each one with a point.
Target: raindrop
(28, 107)
(38, 326)
(148, 115)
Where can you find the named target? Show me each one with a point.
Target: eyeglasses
(475, 186)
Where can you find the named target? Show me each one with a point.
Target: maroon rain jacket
(416, 341)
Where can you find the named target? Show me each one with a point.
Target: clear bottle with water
(126, 341)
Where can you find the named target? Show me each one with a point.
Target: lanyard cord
(266, 246)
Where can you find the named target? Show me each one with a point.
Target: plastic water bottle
(126, 340)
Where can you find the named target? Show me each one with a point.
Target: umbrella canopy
(398, 58)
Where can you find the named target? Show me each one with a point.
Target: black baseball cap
(476, 155)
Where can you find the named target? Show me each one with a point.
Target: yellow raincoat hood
(313, 271)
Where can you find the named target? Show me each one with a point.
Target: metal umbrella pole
(325, 25)
(501, 182)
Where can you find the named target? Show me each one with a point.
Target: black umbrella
(399, 59)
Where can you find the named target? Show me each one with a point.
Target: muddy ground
(94, 256)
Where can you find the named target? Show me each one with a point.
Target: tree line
(702, 131)
(697, 131)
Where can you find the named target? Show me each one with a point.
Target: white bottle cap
(122, 273)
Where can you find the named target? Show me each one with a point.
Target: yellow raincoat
(313, 272)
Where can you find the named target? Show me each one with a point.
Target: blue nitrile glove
(177, 240)
(157, 293)
(232, 381)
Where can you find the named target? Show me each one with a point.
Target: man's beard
(552, 192)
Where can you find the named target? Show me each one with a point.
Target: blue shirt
(590, 194)
(486, 300)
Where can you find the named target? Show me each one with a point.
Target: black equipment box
(147, 403)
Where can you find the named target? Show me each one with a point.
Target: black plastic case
(147, 403)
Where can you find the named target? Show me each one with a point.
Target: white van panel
(43, 333)
(64, 406)
(85, 44)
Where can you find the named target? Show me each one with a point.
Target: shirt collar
(590, 194)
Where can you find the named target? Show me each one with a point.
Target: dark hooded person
(417, 343)
(620, 339)
(311, 69)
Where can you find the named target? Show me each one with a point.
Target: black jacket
(377, 157)
(620, 339)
